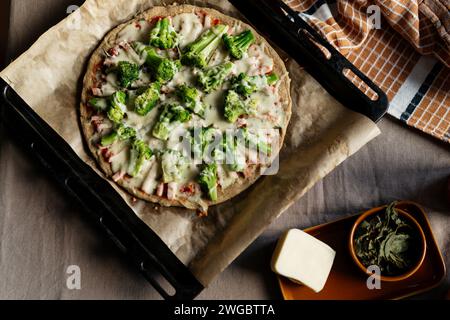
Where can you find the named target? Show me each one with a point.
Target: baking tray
(141, 244)
(347, 282)
(131, 235)
(289, 31)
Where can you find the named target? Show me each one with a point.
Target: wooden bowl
(414, 223)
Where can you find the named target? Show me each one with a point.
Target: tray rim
(432, 238)
(134, 231)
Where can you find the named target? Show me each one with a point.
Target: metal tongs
(287, 29)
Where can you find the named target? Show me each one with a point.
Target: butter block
(303, 259)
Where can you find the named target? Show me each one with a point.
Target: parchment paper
(321, 135)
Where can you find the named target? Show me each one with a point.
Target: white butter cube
(303, 259)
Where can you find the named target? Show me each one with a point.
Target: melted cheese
(214, 115)
(255, 63)
(143, 80)
(189, 27)
(184, 76)
(141, 122)
(138, 31)
(119, 158)
(226, 177)
(219, 56)
(124, 52)
(109, 86)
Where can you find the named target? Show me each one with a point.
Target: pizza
(185, 106)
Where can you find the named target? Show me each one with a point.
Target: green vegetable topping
(120, 133)
(147, 100)
(233, 153)
(212, 78)
(211, 145)
(198, 53)
(140, 152)
(171, 116)
(100, 104)
(163, 69)
(117, 106)
(208, 180)
(272, 78)
(190, 97)
(256, 142)
(127, 73)
(238, 45)
(174, 164)
(202, 142)
(163, 35)
(140, 48)
(236, 107)
(246, 85)
(387, 240)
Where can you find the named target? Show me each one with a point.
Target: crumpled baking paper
(321, 135)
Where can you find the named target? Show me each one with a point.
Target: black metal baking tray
(131, 235)
(289, 31)
(141, 244)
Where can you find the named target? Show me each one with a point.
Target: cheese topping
(163, 167)
(137, 31)
(188, 26)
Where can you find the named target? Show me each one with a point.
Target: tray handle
(290, 32)
(336, 59)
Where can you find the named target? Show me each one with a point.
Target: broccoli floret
(163, 69)
(271, 79)
(246, 85)
(140, 48)
(190, 97)
(120, 133)
(127, 73)
(236, 160)
(100, 104)
(174, 164)
(161, 130)
(236, 107)
(139, 153)
(117, 106)
(198, 53)
(231, 154)
(237, 45)
(202, 142)
(187, 94)
(208, 180)
(163, 35)
(170, 117)
(212, 78)
(255, 142)
(146, 101)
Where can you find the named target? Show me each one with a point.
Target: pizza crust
(109, 41)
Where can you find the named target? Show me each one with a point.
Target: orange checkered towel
(403, 46)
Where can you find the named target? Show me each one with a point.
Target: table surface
(43, 232)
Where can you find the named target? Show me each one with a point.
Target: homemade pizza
(185, 106)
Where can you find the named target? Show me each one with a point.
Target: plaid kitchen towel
(403, 46)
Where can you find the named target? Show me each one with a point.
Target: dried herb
(387, 240)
